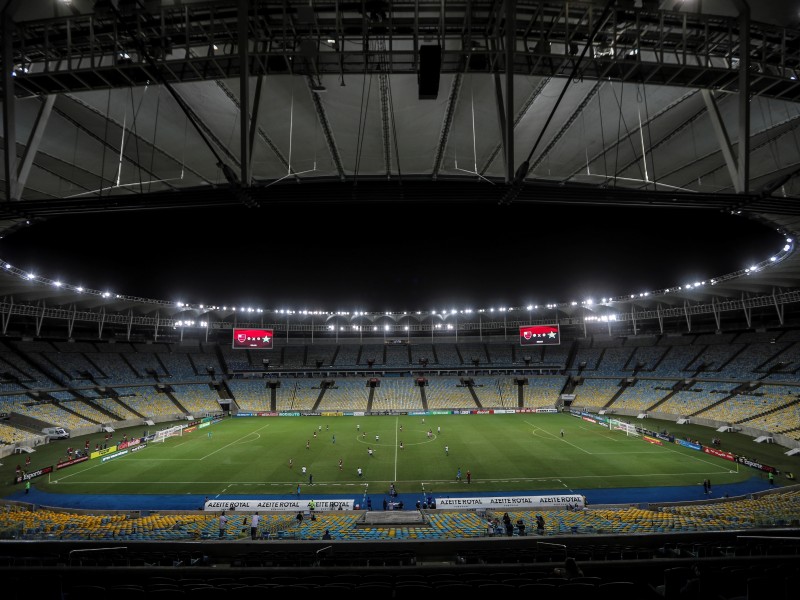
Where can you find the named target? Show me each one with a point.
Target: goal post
(163, 434)
(623, 426)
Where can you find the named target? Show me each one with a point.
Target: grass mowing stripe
(505, 453)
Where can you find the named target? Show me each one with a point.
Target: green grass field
(250, 456)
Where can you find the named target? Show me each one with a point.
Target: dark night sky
(422, 257)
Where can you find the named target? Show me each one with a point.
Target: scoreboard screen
(260, 339)
(539, 335)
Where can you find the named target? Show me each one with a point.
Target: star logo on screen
(552, 334)
(265, 339)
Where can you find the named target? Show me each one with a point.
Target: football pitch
(250, 457)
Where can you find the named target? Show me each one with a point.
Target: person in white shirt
(223, 524)
(254, 525)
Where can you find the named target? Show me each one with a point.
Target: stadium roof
(134, 105)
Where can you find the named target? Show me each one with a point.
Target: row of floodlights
(589, 302)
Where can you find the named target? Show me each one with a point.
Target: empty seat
(620, 590)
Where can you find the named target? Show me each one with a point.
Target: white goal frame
(623, 426)
(163, 434)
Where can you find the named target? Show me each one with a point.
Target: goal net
(623, 426)
(163, 434)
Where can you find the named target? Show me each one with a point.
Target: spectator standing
(498, 528)
(254, 525)
(520, 526)
(223, 524)
(508, 524)
(540, 524)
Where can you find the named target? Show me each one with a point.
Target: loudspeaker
(430, 63)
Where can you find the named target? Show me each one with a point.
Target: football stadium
(638, 445)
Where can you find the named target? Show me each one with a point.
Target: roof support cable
(394, 128)
(602, 136)
(474, 145)
(121, 150)
(158, 74)
(648, 120)
(289, 172)
(619, 122)
(155, 135)
(362, 119)
(105, 140)
(641, 135)
(136, 134)
(628, 136)
(585, 148)
(522, 170)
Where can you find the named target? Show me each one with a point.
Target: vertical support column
(744, 99)
(778, 307)
(102, 322)
(254, 118)
(244, 93)
(71, 321)
(9, 118)
(40, 317)
(687, 315)
(511, 26)
(747, 310)
(660, 319)
(722, 137)
(7, 314)
(34, 141)
(716, 312)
